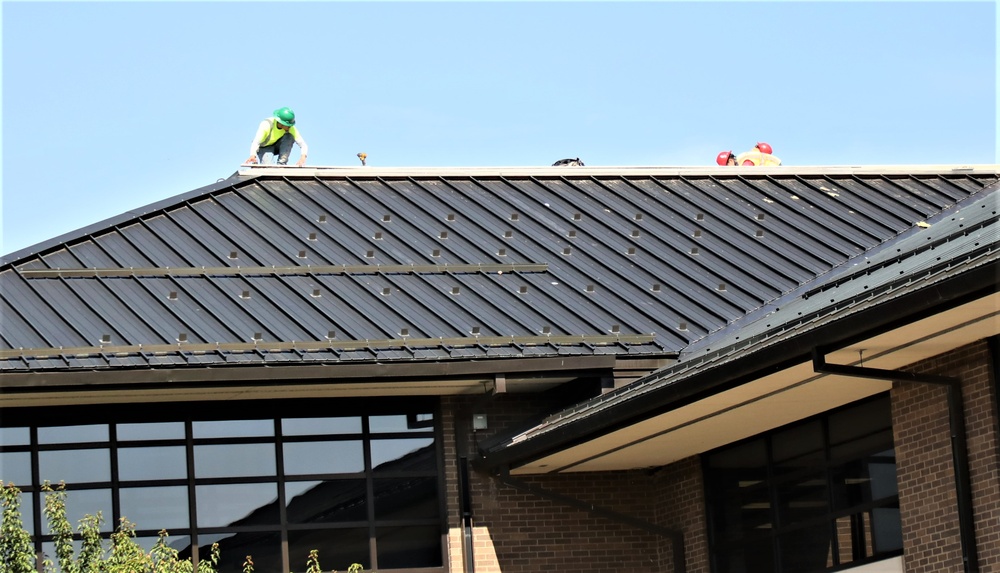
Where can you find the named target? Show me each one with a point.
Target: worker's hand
(301, 161)
(252, 160)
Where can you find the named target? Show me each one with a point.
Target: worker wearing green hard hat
(275, 137)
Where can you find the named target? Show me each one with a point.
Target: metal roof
(953, 258)
(327, 266)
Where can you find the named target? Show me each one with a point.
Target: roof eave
(704, 382)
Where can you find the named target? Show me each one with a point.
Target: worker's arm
(303, 147)
(262, 129)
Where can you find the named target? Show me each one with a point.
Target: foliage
(17, 554)
(17, 551)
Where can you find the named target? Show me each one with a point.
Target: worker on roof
(275, 136)
(761, 154)
(726, 158)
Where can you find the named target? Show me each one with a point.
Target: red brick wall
(518, 531)
(924, 463)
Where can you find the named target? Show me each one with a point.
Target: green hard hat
(285, 116)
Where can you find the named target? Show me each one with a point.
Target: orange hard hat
(723, 157)
(764, 147)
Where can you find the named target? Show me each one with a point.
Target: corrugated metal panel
(676, 255)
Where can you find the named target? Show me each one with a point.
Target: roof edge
(679, 170)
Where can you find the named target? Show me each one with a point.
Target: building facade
(555, 369)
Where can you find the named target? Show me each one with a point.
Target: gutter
(959, 449)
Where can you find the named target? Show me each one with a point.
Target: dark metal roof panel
(953, 245)
(617, 249)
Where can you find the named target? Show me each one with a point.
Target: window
(814, 496)
(283, 478)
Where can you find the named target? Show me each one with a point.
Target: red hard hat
(764, 148)
(723, 157)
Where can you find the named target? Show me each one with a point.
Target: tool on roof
(362, 156)
(568, 163)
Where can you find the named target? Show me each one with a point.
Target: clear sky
(110, 106)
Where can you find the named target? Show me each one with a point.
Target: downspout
(676, 537)
(959, 450)
(465, 506)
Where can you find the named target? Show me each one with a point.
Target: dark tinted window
(817, 495)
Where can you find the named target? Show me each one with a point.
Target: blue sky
(110, 106)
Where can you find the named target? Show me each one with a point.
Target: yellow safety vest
(758, 158)
(276, 133)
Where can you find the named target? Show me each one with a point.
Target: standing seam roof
(299, 266)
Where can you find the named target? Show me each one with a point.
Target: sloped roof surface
(326, 266)
(953, 244)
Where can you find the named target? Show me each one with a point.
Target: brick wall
(517, 531)
(928, 503)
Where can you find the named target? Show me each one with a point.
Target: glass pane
(237, 504)
(749, 558)
(401, 423)
(168, 462)
(743, 514)
(233, 428)
(798, 448)
(863, 446)
(155, 507)
(887, 529)
(338, 548)
(234, 460)
(882, 470)
(406, 498)
(807, 549)
(750, 455)
(327, 501)
(73, 434)
(400, 547)
(83, 502)
(264, 548)
(403, 454)
(15, 467)
(151, 431)
(75, 466)
(15, 436)
(860, 421)
(303, 458)
(802, 499)
(319, 426)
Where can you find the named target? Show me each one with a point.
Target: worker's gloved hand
(253, 159)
